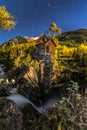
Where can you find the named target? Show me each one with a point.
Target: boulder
(31, 77)
(29, 73)
(29, 92)
(11, 116)
(5, 86)
(30, 116)
(3, 91)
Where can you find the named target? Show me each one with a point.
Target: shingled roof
(43, 39)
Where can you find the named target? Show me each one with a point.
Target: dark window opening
(43, 39)
(47, 49)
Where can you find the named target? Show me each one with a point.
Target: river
(2, 73)
(21, 101)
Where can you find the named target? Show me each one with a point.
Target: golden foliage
(54, 28)
(6, 19)
(59, 127)
(82, 49)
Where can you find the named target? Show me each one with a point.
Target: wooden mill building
(45, 48)
(44, 52)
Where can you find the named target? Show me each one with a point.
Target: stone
(30, 116)
(10, 115)
(3, 91)
(31, 77)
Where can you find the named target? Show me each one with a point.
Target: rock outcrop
(31, 77)
(24, 73)
(31, 116)
(3, 91)
(3, 88)
(26, 81)
(10, 116)
(15, 41)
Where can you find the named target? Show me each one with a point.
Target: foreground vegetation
(70, 113)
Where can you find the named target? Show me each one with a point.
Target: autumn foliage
(6, 19)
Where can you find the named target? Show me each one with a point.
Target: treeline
(69, 58)
(72, 62)
(77, 36)
(16, 55)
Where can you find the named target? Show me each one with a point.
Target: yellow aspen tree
(7, 21)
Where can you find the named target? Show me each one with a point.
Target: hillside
(14, 41)
(78, 36)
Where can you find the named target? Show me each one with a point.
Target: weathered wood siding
(51, 48)
(42, 39)
(44, 46)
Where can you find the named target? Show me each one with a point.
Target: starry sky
(35, 16)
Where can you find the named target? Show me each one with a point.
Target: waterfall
(21, 101)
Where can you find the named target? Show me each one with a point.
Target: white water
(21, 101)
(2, 73)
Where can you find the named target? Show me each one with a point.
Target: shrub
(70, 113)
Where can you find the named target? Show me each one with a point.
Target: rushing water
(21, 101)
(2, 73)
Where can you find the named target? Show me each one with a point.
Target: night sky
(35, 16)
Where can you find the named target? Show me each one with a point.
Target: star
(33, 29)
(49, 5)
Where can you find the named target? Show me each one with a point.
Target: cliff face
(31, 77)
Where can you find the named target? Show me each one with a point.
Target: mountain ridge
(76, 36)
(14, 41)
